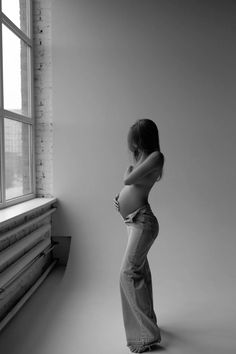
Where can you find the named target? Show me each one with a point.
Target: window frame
(28, 39)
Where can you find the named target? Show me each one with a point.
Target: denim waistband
(140, 214)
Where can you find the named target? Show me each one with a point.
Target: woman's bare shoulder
(157, 157)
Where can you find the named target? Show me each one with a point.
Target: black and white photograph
(117, 176)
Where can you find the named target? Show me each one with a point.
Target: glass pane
(15, 73)
(17, 158)
(16, 11)
(0, 186)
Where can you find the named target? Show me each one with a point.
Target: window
(16, 102)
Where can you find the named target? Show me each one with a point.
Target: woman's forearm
(153, 162)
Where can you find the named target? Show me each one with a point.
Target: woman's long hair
(143, 136)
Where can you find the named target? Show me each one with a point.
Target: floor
(60, 320)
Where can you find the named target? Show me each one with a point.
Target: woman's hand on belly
(116, 203)
(130, 198)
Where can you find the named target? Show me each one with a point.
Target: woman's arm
(153, 162)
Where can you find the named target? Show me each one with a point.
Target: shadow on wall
(75, 257)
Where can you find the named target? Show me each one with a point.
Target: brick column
(43, 96)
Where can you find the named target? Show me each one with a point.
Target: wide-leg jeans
(140, 320)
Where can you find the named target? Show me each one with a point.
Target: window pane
(17, 158)
(0, 187)
(15, 73)
(16, 11)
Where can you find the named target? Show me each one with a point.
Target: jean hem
(143, 342)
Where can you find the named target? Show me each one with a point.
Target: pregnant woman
(142, 331)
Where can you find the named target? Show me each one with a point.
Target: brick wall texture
(43, 97)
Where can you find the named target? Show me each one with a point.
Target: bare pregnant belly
(131, 198)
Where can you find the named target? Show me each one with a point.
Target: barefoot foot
(141, 348)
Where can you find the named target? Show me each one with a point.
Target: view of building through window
(17, 159)
(16, 121)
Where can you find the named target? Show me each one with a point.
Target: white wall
(173, 62)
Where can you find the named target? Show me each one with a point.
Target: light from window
(16, 11)
(15, 73)
(16, 103)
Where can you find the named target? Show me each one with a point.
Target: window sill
(12, 213)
